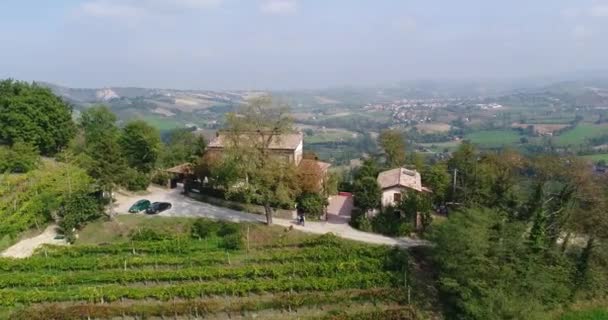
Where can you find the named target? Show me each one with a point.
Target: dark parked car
(140, 206)
(158, 207)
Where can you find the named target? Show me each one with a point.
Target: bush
(358, 220)
(134, 180)
(146, 234)
(160, 178)
(228, 229)
(203, 228)
(232, 242)
(312, 204)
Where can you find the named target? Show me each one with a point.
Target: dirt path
(26, 247)
(186, 207)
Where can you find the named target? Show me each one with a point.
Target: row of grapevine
(42, 279)
(203, 307)
(10, 297)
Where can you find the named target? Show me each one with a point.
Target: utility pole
(454, 183)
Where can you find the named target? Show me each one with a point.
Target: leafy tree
(269, 180)
(104, 161)
(367, 194)
(77, 209)
(438, 179)
(471, 186)
(310, 177)
(182, 146)
(21, 157)
(312, 204)
(368, 169)
(393, 144)
(487, 271)
(34, 115)
(141, 145)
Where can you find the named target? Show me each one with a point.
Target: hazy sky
(270, 44)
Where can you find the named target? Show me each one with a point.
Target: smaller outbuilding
(395, 182)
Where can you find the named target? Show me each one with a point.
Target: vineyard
(188, 278)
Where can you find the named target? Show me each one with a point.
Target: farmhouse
(397, 181)
(288, 146)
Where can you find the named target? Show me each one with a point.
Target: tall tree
(182, 145)
(140, 143)
(269, 179)
(437, 178)
(105, 161)
(367, 194)
(34, 115)
(393, 144)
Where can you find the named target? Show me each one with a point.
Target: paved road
(186, 207)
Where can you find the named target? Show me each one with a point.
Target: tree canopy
(34, 115)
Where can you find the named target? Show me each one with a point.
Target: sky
(296, 44)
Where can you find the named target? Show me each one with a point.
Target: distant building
(397, 181)
(289, 146)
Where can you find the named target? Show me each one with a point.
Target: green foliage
(312, 204)
(367, 193)
(233, 242)
(34, 115)
(148, 234)
(487, 271)
(134, 180)
(31, 199)
(359, 220)
(438, 179)
(205, 228)
(77, 209)
(141, 145)
(105, 160)
(393, 144)
(160, 177)
(182, 146)
(19, 158)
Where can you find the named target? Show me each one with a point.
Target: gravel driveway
(187, 207)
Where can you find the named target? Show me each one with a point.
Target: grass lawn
(580, 134)
(122, 227)
(493, 138)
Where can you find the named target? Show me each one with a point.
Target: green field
(441, 146)
(271, 274)
(494, 138)
(163, 123)
(329, 136)
(597, 157)
(580, 134)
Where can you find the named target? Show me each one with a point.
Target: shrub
(358, 220)
(232, 242)
(134, 180)
(203, 228)
(146, 234)
(160, 178)
(312, 204)
(227, 229)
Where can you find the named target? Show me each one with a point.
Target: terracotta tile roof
(323, 166)
(185, 168)
(400, 177)
(286, 141)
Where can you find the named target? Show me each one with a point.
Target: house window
(397, 197)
